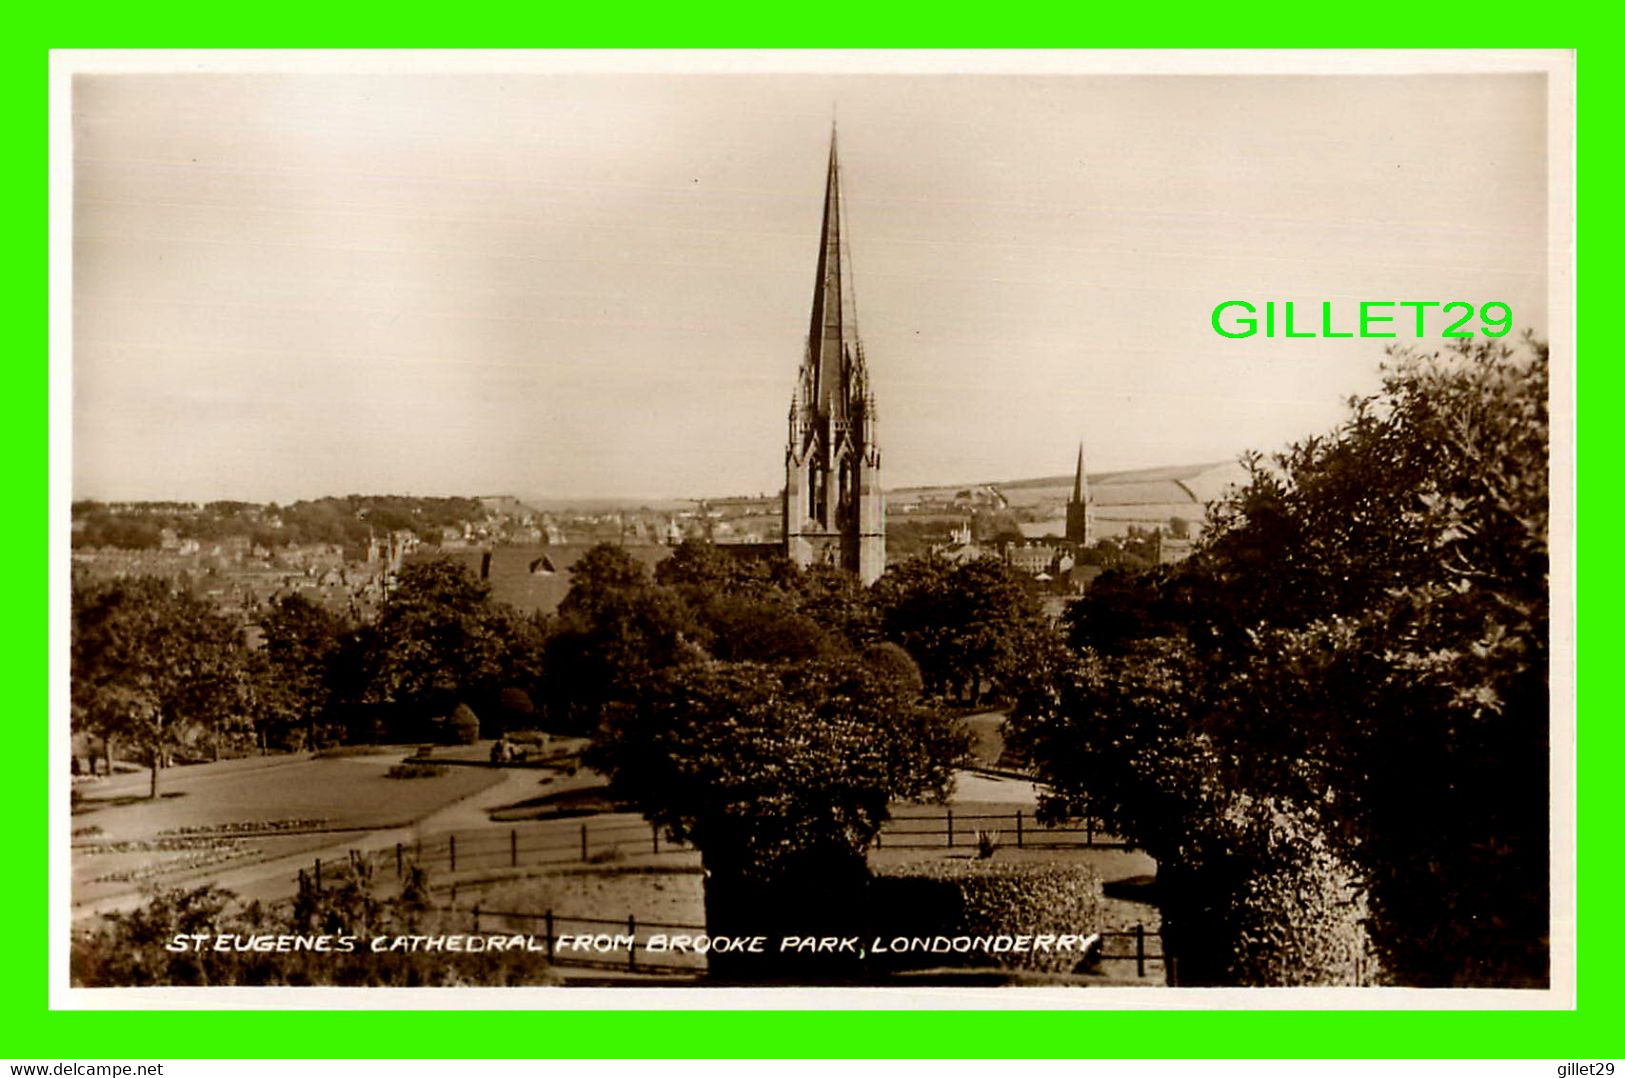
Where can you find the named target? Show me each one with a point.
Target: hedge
(984, 898)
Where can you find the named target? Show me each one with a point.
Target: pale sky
(287, 286)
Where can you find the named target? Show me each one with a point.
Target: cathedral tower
(834, 512)
(1080, 529)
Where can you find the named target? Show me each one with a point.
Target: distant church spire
(1079, 520)
(834, 511)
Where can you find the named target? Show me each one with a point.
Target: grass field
(213, 817)
(341, 792)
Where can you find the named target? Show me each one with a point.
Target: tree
(781, 775)
(836, 599)
(615, 628)
(915, 602)
(1122, 607)
(437, 640)
(152, 664)
(767, 630)
(965, 624)
(302, 641)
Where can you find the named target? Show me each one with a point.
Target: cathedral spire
(834, 509)
(1077, 480)
(827, 338)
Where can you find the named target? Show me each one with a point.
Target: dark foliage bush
(515, 710)
(463, 727)
(893, 662)
(1265, 900)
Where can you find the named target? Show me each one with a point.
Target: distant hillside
(608, 505)
(1142, 497)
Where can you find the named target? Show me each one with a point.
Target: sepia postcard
(812, 529)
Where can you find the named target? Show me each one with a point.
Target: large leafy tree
(437, 641)
(781, 774)
(615, 628)
(303, 641)
(746, 609)
(154, 666)
(967, 625)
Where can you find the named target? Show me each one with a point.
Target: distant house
(1030, 558)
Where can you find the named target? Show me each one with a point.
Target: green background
(28, 1029)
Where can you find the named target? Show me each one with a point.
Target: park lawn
(341, 793)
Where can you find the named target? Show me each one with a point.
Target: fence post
(549, 920)
(318, 875)
(654, 829)
(950, 829)
(1139, 949)
(451, 842)
(632, 951)
(1089, 831)
(1018, 829)
(513, 848)
(583, 842)
(398, 870)
(476, 916)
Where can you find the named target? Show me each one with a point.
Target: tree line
(338, 521)
(158, 672)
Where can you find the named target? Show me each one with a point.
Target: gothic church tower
(834, 512)
(1080, 524)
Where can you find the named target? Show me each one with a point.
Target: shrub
(463, 728)
(515, 710)
(982, 898)
(893, 662)
(1263, 900)
(987, 844)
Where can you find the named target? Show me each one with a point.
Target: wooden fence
(1137, 954)
(494, 848)
(605, 840)
(1018, 829)
(620, 935)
